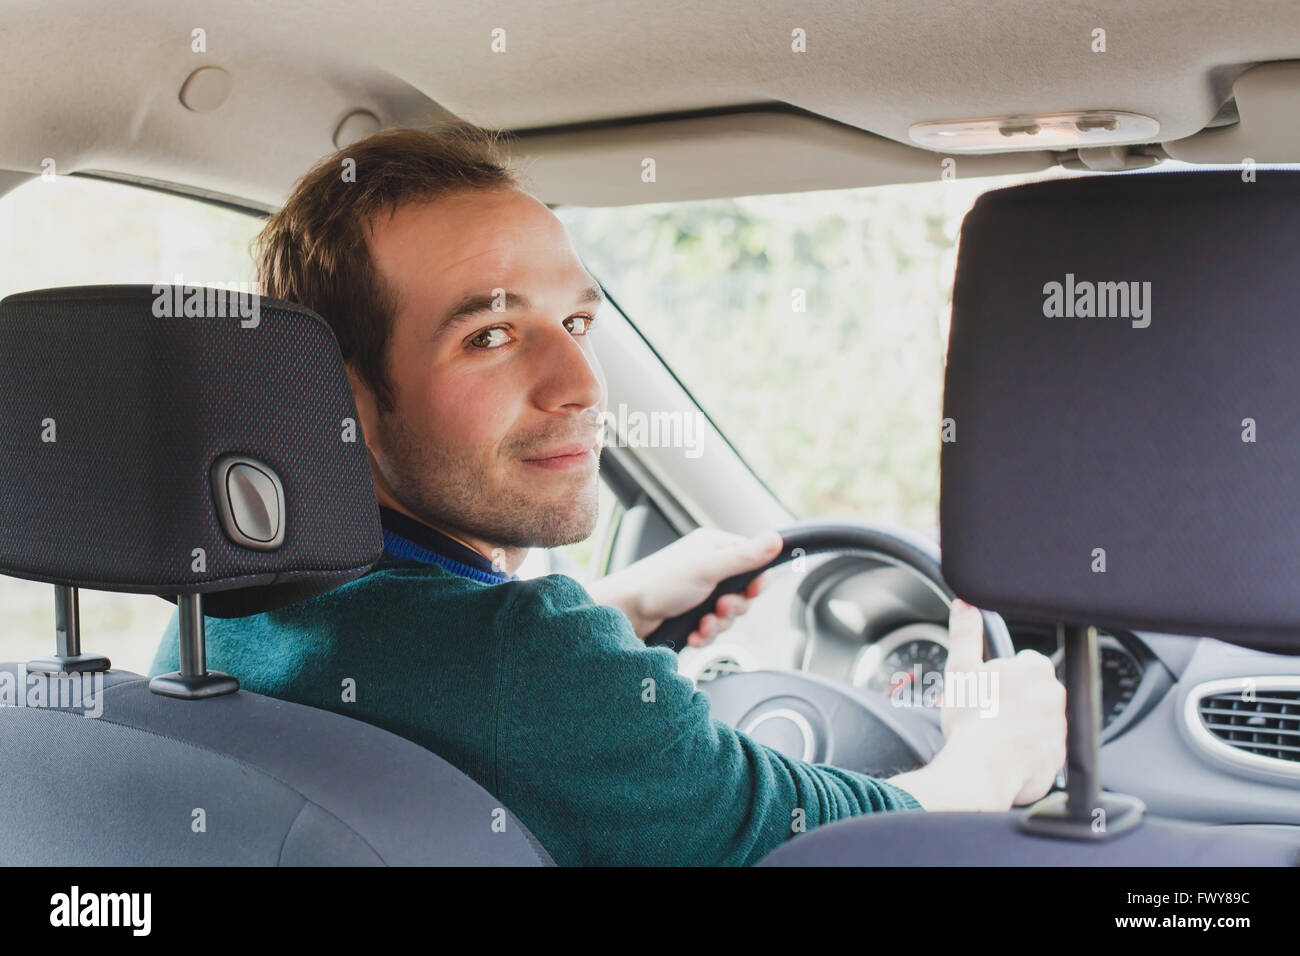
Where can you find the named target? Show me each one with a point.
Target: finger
(965, 637)
(1037, 785)
(744, 555)
(1039, 661)
(731, 605)
(756, 586)
(703, 634)
(707, 629)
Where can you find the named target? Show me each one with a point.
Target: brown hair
(314, 252)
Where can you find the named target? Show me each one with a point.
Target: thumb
(965, 638)
(747, 554)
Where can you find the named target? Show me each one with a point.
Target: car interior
(1112, 428)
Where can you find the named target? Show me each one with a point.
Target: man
(466, 318)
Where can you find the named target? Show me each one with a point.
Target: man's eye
(486, 340)
(587, 321)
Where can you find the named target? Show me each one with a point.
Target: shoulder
(396, 585)
(550, 592)
(394, 601)
(538, 608)
(556, 634)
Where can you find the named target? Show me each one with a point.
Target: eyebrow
(475, 304)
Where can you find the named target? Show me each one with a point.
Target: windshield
(811, 327)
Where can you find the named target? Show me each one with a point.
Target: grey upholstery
(140, 407)
(277, 784)
(994, 839)
(1124, 434)
(147, 401)
(1121, 432)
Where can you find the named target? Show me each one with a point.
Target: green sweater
(551, 703)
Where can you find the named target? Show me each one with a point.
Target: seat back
(1121, 390)
(996, 839)
(1121, 444)
(201, 446)
(239, 779)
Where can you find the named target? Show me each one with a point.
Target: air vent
(1251, 721)
(718, 667)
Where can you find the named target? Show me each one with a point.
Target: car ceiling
(711, 90)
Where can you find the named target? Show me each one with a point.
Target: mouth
(575, 455)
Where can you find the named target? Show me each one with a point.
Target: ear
(367, 405)
(368, 413)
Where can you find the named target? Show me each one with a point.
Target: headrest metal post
(1083, 719)
(67, 620)
(68, 658)
(189, 620)
(1082, 812)
(193, 681)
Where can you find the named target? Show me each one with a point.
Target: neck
(507, 559)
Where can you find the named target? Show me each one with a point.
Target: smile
(561, 462)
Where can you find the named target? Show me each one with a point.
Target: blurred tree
(837, 407)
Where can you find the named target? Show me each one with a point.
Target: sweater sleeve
(610, 756)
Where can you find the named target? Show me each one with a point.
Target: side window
(831, 309)
(591, 556)
(588, 559)
(77, 231)
(630, 526)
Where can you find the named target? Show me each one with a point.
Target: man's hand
(677, 578)
(1003, 723)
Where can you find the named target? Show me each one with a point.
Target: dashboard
(1171, 731)
(906, 664)
(883, 629)
(868, 624)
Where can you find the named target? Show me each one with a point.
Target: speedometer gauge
(905, 665)
(1121, 673)
(1120, 676)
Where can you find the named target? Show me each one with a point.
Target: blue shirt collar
(411, 540)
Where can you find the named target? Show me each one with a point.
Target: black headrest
(1122, 388)
(125, 414)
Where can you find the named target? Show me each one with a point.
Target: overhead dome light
(1074, 130)
(205, 89)
(356, 125)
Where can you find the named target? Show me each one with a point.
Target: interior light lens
(1073, 130)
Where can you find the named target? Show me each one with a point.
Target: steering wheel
(813, 717)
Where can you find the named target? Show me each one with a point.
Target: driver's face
(481, 395)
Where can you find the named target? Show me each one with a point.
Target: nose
(569, 375)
